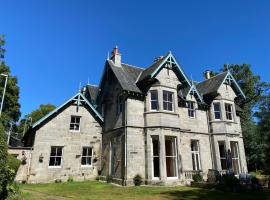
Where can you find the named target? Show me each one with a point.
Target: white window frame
(227, 112)
(238, 156)
(155, 137)
(174, 140)
(190, 110)
(214, 111)
(87, 156)
(74, 123)
(222, 158)
(197, 166)
(167, 101)
(56, 166)
(153, 100)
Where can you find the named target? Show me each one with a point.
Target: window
(195, 154)
(170, 153)
(217, 111)
(167, 101)
(222, 154)
(191, 109)
(56, 156)
(235, 157)
(75, 123)
(228, 109)
(154, 100)
(120, 104)
(155, 146)
(87, 153)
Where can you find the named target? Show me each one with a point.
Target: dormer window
(167, 100)
(228, 109)
(217, 111)
(191, 109)
(154, 100)
(120, 104)
(75, 123)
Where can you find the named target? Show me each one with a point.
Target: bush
(13, 165)
(197, 178)
(254, 180)
(109, 178)
(229, 183)
(137, 180)
(3, 164)
(70, 179)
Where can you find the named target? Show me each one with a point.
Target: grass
(96, 191)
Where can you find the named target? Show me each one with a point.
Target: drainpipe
(210, 137)
(29, 164)
(125, 181)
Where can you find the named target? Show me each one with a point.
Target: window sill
(55, 167)
(223, 121)
(73, 131)
(86, 166)
(162, 112)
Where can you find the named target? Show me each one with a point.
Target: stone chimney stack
(116, 57)
(207, 74)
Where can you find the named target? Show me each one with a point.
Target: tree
(11, 106)
(254, 89)
(262, 115)
(3, 164)
(35, 115)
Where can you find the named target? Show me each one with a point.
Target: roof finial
(88, 83)
(108, 55)
(191, 79)
(80, 86)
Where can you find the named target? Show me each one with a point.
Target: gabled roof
(92, 91)
(156, 67)
(78, 98)
(126, 75)
(212, 84)
(190, 90)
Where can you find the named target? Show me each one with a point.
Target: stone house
(150, 121)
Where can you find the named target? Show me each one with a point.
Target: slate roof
(92, 91)
(127, 76)
(211, 85)
(148, 71)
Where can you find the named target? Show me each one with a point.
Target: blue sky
(53, 45)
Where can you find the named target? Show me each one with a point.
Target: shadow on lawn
(206, 194)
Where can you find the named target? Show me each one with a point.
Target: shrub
(109, 178)
(70, 179)
(13, 165)
(137, 180)
(197, 178)
(3, 164)
(254, 180)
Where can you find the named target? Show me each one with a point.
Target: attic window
(75, 123)
(191, 109)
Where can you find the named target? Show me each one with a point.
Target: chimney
(116, 57)
(207, 74)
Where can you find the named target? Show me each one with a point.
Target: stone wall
(56, 133)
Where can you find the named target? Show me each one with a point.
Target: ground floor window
(171, 156)
(87, 153)
(235, 157)
(56, 156)
(222, 155)
(195, 154)
(155, 150)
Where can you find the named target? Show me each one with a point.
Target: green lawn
(95, 190)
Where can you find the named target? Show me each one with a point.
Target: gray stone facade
(165, 145)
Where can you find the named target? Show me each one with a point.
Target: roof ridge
(133, 66)
(213, 77)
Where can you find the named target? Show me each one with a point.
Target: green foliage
(13, 164)
(109, 178)
(137, 180)
(70, 179)
(11, 106)
(3, 164)
(197, 178)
